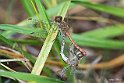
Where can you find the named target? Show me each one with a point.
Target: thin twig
(17, 56)
(103, 65)
(14, 55)
(11, 60)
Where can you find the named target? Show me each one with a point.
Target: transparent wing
(40, 30)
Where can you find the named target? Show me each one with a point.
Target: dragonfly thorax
(73, 61)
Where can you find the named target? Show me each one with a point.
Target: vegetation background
(30, 48)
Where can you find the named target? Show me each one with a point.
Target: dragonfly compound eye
(58, 19)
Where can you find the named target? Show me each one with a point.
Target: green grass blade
(47, 46)
(15, 28)
(85, 41)
(28, 7)
(105, 32)
(100, 7)
(47, 3)
(42, 11)
(99, 43)
(25, 41)
(96, 33)
(29, 57)
(29, 77)
(6, 41)
(36, 32)
(56, 9)
(64, 9)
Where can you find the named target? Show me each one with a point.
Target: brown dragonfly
(63, 28)
(75, 52)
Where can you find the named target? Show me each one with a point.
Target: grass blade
(29, 77)
(5, 40)
(36, 32)
(99, 43)
(42, 11)
(47, 3)
(100, 7)
(27, 6)
(64, 7)
(105, 32)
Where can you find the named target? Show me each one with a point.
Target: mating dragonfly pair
(75, 52)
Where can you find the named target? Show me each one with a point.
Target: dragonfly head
(58, 19)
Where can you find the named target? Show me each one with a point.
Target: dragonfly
(62, 25)
(72, 61)
(63, 28)
(75, 53)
